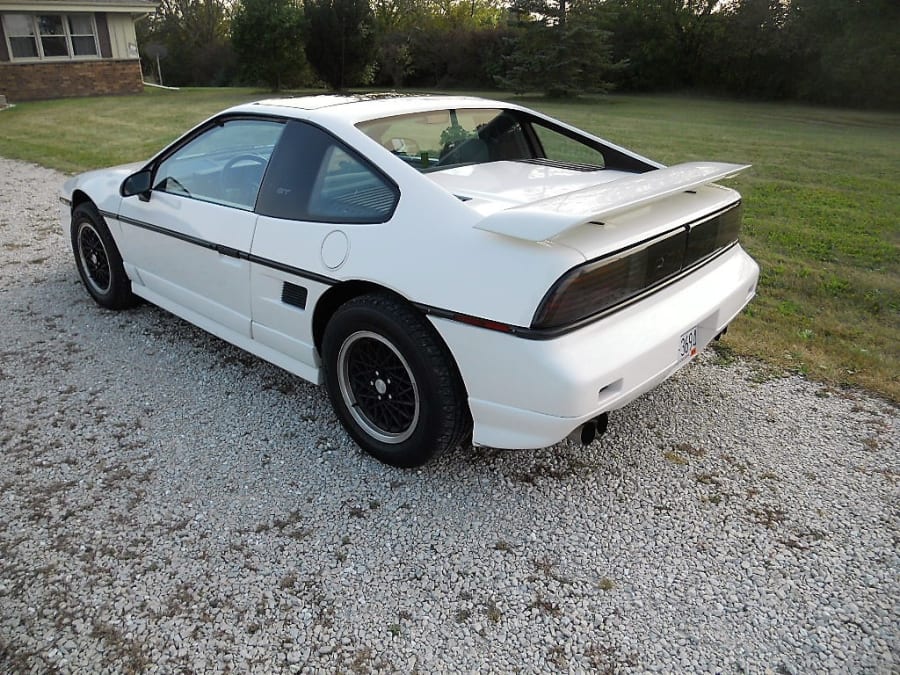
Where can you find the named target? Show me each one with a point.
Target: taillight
(709, 236)
(599, 285)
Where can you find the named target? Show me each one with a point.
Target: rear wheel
(98, 260)
(392, 381)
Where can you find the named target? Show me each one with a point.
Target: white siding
(121, 34)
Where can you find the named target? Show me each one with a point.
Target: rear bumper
(532, 393)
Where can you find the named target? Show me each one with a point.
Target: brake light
(600, 285)
(711, 235)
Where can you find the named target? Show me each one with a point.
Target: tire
(393, 382)
(98, 260)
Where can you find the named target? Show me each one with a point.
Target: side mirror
(137, 184)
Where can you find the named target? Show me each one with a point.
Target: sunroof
(309, 102)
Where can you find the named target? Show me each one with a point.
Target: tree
(194, 36)
(561, 48)
(438, 43)
(850, 51)
(340, 42)
(665, 42)
(267, 36)
(754, 56)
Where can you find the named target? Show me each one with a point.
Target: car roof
(359, 107)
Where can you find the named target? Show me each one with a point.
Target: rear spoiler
(547, 218)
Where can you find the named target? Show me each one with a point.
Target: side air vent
(294, 295)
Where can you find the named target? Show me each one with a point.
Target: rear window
(443, 138)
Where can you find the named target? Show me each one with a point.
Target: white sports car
(452, 268)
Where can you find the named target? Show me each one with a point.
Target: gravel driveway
(169, 503)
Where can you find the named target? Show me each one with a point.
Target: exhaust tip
(587, 432)
(584, 434)
(601, 423)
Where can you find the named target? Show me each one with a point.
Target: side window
(560, 148)
(315, 177)
(224, 165)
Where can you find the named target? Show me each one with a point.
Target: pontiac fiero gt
(451, 268)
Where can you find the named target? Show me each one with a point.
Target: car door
(316, 191)
(187, 241)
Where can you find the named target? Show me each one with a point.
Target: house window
(51, 36)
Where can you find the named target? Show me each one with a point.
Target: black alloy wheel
(98, 260)
(93, 258)
(378, 387)
(392, 381)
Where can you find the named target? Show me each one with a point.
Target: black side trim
(164, 231)
(292, 294)
(224, 250)
(230, 252)
(296, 271)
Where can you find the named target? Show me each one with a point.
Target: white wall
(121, 34)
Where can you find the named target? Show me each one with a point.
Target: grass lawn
(822, 203)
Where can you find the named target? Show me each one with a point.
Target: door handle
(227, 250)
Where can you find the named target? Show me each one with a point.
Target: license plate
(687, 345)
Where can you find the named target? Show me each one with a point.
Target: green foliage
(445, 43)
(831, 51)
(559, 48)
(394, 58)
(457, 57)
(665, 42)
(430, 15)
(455, 133)
(340, 44)
(268, 39)
(850, 50)
(192, 39)
(758, 58)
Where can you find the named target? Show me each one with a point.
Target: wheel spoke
(94, 260)
(378, 387)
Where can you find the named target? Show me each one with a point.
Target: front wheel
(98, 260)
(392, 381)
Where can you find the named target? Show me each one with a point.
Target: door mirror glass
(136, 184)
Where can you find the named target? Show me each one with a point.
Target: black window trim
(196, 132)
(613, 159)
(217, 121)
(390, 183)
(221, 120)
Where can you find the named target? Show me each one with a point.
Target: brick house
(58, 48)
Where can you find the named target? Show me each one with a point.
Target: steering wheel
(233, 162)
